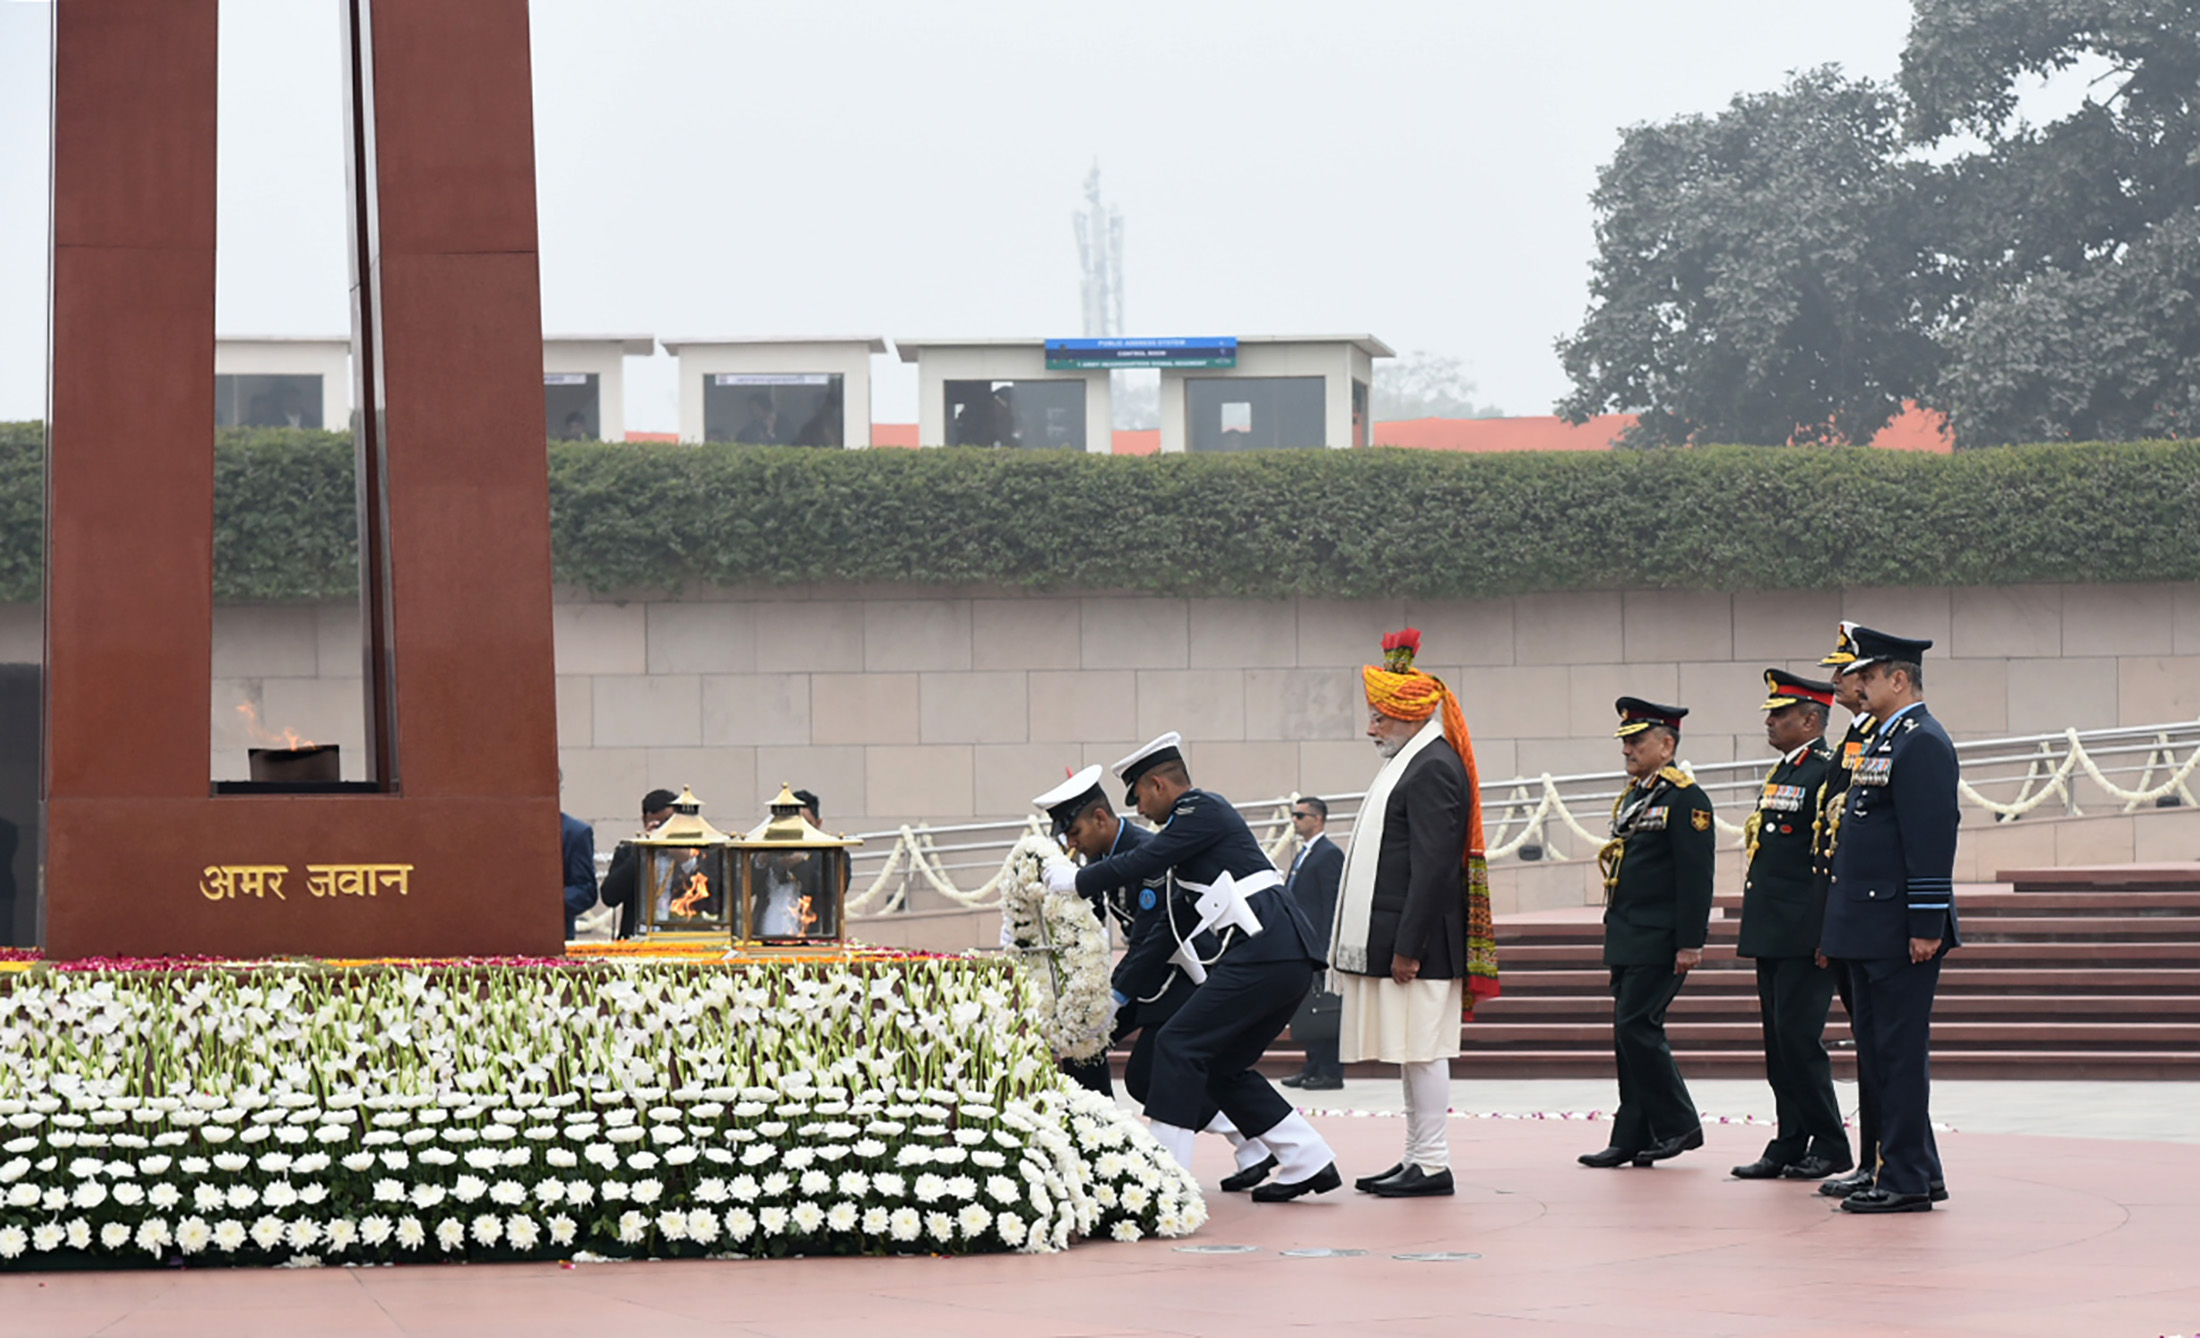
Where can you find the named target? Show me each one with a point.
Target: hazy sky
(1417, 169)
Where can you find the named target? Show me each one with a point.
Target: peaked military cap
(1786, 689)
(1071, 798)
(1872, 647)
(1167, 748)
(1637, 715)
(1844, 649)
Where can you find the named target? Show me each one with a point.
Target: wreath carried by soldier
(1065, 948)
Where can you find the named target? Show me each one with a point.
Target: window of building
(572, 405)
(1035, 414)
(268, 401)
(1252, 413)
(774, 408)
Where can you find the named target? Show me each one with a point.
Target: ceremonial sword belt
(1224, 907)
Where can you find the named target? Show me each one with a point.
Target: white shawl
(1356, 892)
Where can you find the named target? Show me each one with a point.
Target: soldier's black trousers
(1090, 1074)
(1867, 1089)
(1894, 1024)
(1793, 995)
(1654, 1104)
(1203, 1057)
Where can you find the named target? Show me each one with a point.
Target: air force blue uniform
(1205, 1052)
(1892, 869)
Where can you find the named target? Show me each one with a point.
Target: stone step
(1948, 1036)
(1976, 901)
(1999, 928)
(2045, 953)
(1694, 1004)
(1736, 978)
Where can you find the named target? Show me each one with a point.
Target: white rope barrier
(2050, 776)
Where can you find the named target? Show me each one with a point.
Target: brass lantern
(794, 878)
(687, 876)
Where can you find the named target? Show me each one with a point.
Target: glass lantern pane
(686, 887)
(788, 887)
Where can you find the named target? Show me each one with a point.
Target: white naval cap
(1168, 748)
(1065, 801)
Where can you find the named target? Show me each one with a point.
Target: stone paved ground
(2044, 1236)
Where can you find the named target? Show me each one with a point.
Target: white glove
(1061, 876)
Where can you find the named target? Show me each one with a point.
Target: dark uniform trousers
(1867, 1082)
(1893, 1018)
(1654, 1103)
(1204, 1056)
(1793, 995)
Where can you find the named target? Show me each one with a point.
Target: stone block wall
(897, 705)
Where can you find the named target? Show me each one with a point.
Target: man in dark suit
(1219, 882)
(622, 882)
(1312, 882)
(578, 841)
(1782, 909)
(1890, 912)
(1657, 913)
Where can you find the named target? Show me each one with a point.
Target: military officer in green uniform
(1657, 889)
(1783, 909)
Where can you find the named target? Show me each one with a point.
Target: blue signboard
(1067, 355)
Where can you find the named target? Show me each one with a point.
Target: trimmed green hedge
(1323, 523)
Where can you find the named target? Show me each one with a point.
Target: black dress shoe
(1414, 1183)
(1323, 1082)
(1671, 1147)
(1764, 1168)
(1854, 1183)
(1366, 1183)
(1295, 1080)
(1321, 1182)
(1886, 1201)
(1937, 1191)
(1610, 1157)
(1816, 1166)
(1249, 1177)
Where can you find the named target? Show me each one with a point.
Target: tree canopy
(1794, 267)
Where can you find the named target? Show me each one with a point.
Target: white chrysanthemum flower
(912, 1154)
(425, 1195)
(387, 1190)
(49, 1235)
(962, 1187)
(930, 1187)
(1125, 1230)
(508, 1193)
(54, 1199)
(889, 1185)
(164, 1196)
(773, 1220)
(940, 1226)
(549, 1190)
(229, 1235)
(281, 1194)
(1136, 1197)
(395, 1159)
(672, 1224)
(13, 1241)
(777, 1184)
(1003, 1190)
(816, 1182)
(375, 1229)
(1104, 1195)
(712, 1190)
(450, 1234)
(411, 1235)
(90, 1194)
(488, 1228)
(522, 1232)
(482, 1159)
(194, 1165)
(841, 1216)
(23, 1195)
(579, 1193)
(267, 1231)
(876, 1221)
(438, 1156)
(756, 1154)
(644, 1160)
(633, 1227)
(563, 1229)
(468, 1188)
(806, 1216)
(193, 1235)
(702, 1225)
(274, 1163)
(79, 1234)
(613, 1191)
(740, 1224)
(302, 1234)
(986, 1160)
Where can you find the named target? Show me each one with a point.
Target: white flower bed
(642, 1109)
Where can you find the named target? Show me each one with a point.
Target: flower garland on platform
(628, 1110)
(1067, 946)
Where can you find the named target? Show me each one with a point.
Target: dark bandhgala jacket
(1781, 902)
(1894, 864)
(1419, 908)
(1661, 901)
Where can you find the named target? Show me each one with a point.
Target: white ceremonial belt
(1222, 904)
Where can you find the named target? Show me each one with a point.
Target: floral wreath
(1062, 935)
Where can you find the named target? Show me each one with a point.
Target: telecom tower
(1100, 251)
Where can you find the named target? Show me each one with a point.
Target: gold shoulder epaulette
(1675, 775)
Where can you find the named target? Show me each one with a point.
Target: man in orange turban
(1411, 946)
